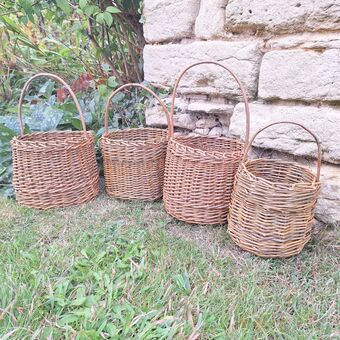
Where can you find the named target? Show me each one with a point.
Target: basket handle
(106, 117)
(303, 127)
(245, 99)
(55, 77)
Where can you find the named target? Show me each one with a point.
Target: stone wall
(286, 53)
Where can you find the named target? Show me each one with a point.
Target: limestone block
(224, 120)
(210, 20)
(211, 108)
(283, 16)
(216, 131)
(169, 20)
(203, 132)
(300, 75)
(154, 116)
(225, 131)
(206, 122)
(163, 64)
(324, 121)
(185, 121)
(307, 40)
(328, 207)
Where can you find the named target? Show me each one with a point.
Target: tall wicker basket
(134, 158)
(200, 170)
(272, 205)
(54, 169)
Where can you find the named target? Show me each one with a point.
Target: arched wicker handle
(303, 127)
(106, 117)
(55, 77)
(245, 99)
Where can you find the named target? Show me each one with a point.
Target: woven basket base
(270, 250)
(37, 200)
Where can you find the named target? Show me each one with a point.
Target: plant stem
(108, 60)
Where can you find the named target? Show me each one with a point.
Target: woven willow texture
(199, 175)
(54, 169)
(200, 171)
(134, 158)
(271, 211)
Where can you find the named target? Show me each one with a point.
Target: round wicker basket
(134, 158)
(54, 169)
(200, 170)
(271, 211)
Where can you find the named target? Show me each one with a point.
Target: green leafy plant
(102, 38)
(94, 45)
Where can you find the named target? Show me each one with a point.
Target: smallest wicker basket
(134, 158)
(271, 211)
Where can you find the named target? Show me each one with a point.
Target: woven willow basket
(134, 158)
(200, 170)
(272, 205)
(54, 169)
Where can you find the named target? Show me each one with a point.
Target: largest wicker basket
(54, 169)
(200, 170)
(272, 205)
(134, 158)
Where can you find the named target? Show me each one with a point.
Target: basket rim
(106, 137)
(209, 153)
(315, 183)
(54, 132)
(82, 138)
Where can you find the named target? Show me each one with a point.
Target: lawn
(123, 270)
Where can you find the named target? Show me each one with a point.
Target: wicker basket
(272, 205)
(54, 169)
(200, 170)
(134, 158)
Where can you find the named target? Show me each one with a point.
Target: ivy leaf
(112, 9)
(111, 82)
(120, 96)
(90, 10)
(76, 123)
(108, 18)
(64, 6)
(82, 3)
(100, 18)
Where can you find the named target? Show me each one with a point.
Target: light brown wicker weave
(54, 169)
(200, 170)
(272, 204)
(134, 158)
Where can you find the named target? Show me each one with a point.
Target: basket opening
(139, 134)
(54, 137)
(278, 171)
(212, 144)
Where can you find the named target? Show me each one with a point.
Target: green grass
(123, 270)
